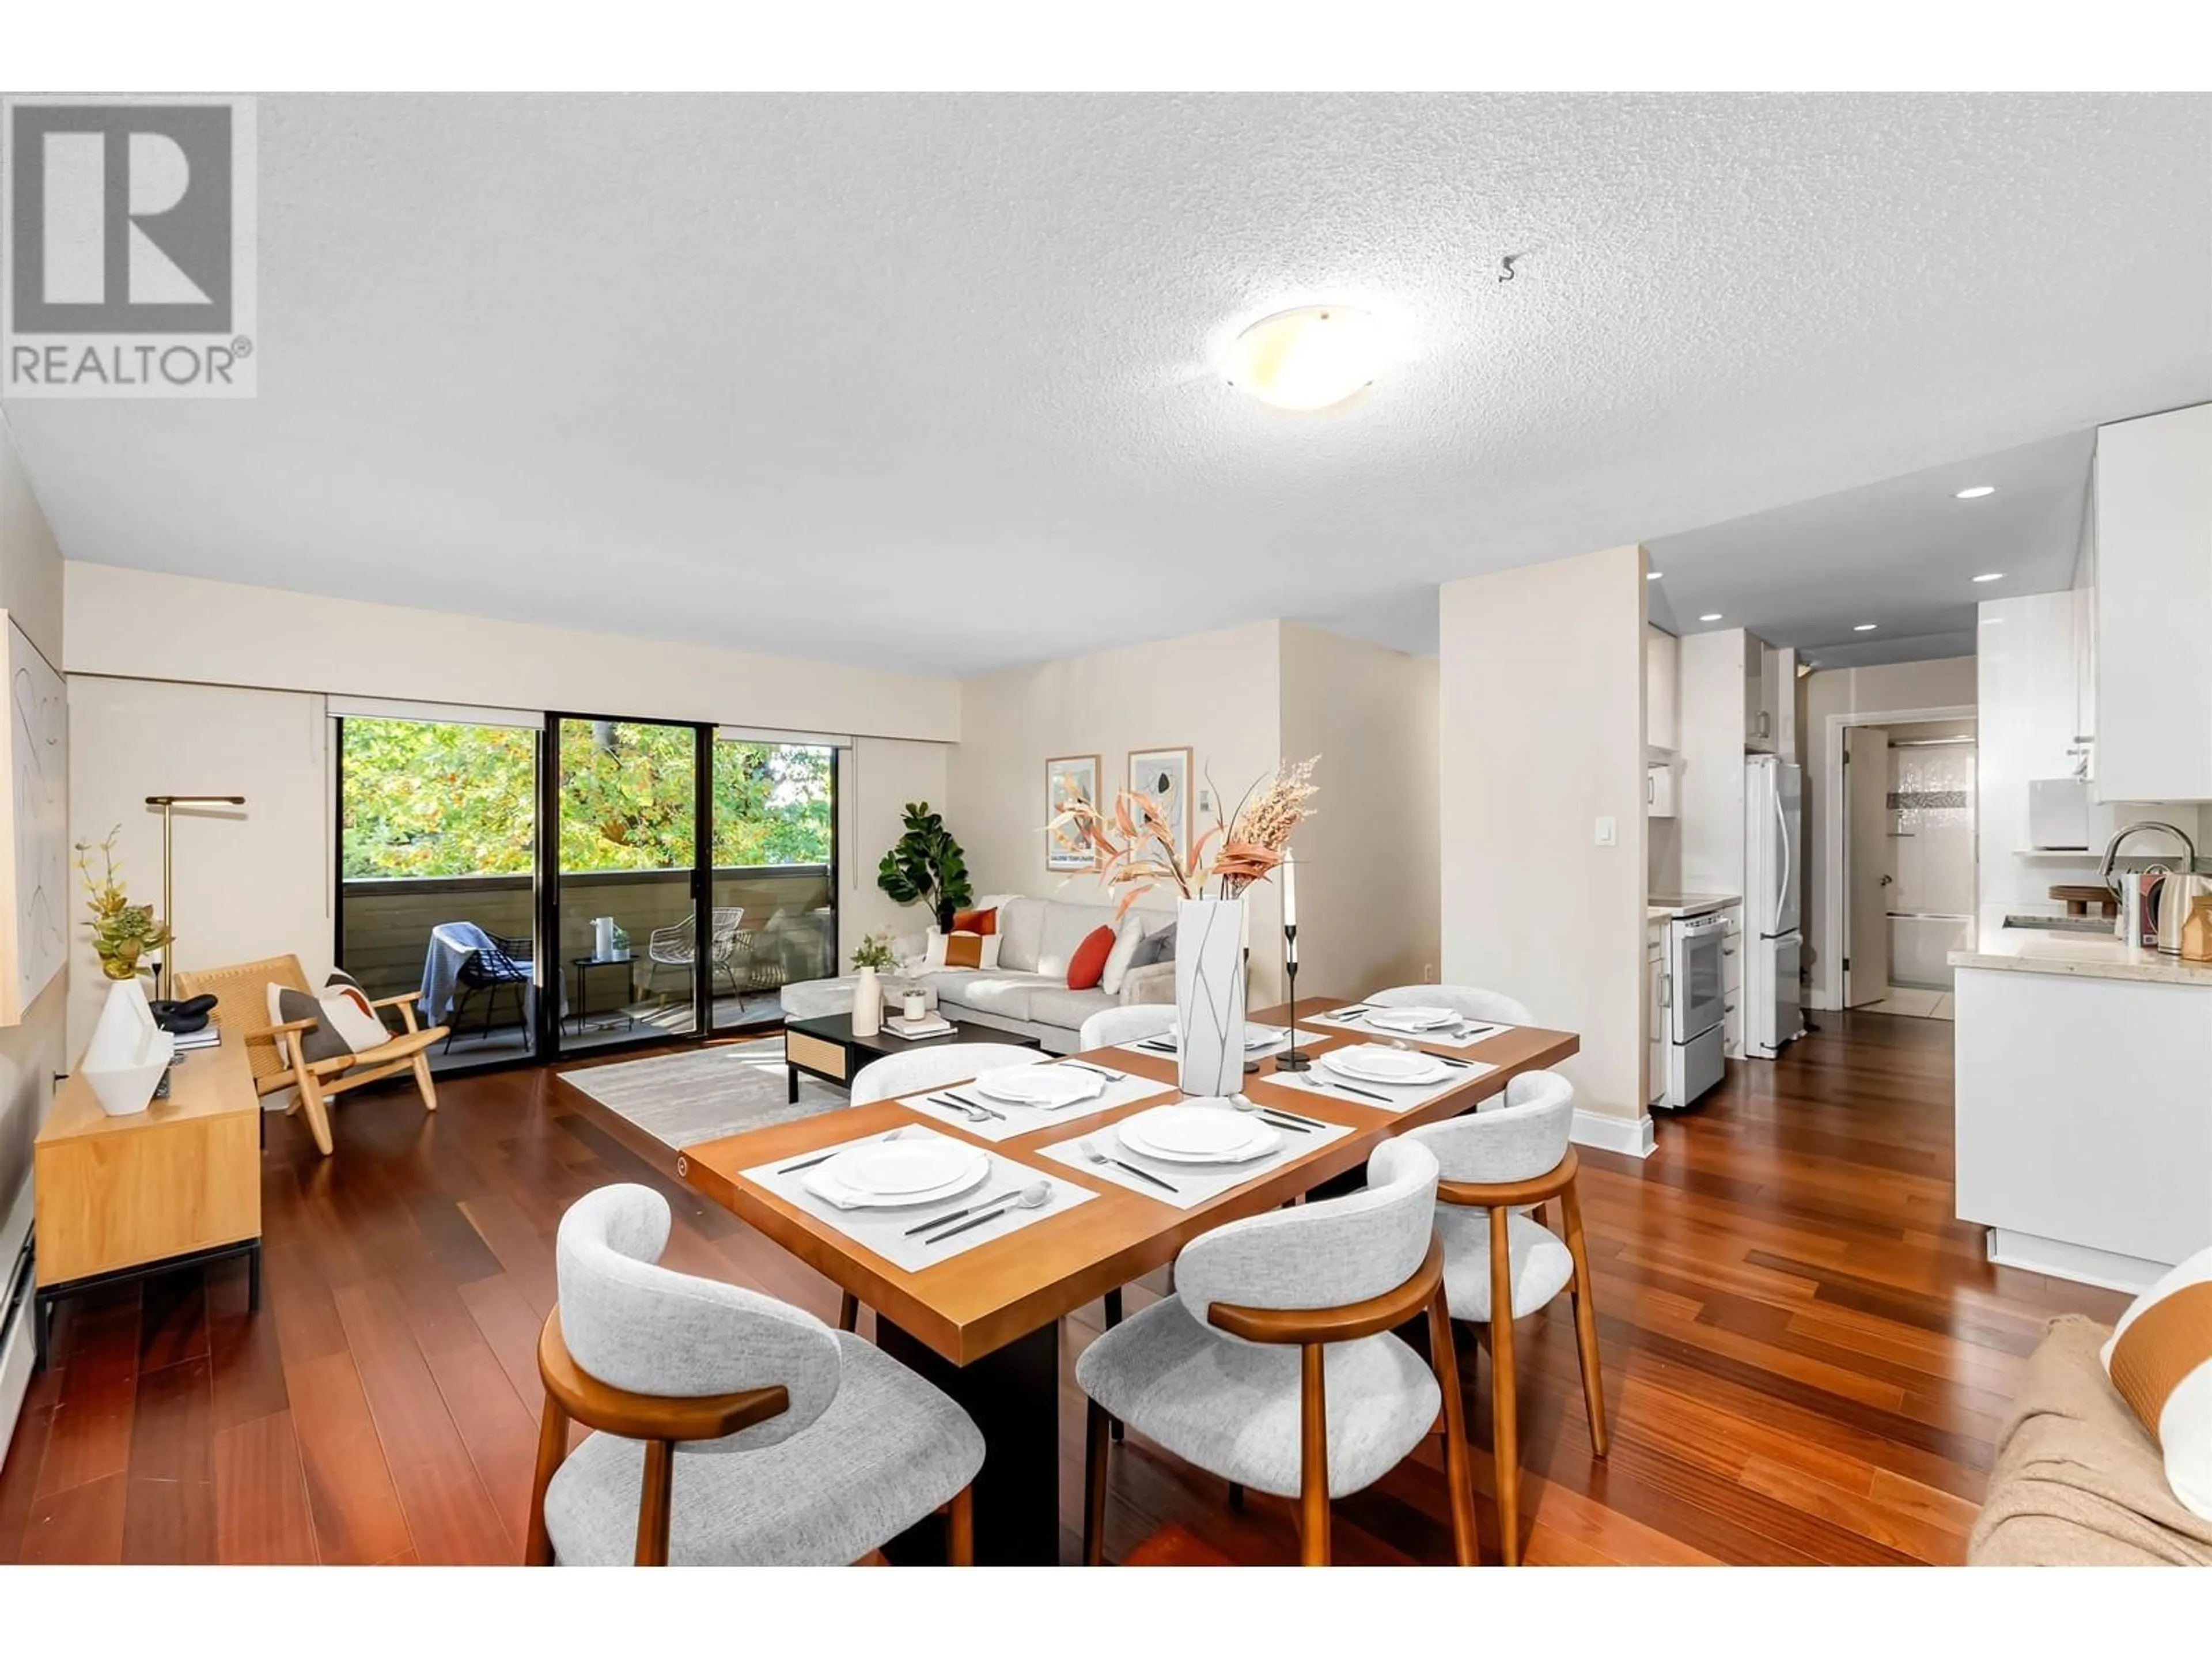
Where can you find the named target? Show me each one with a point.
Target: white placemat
(1477, 1030)
(1386, 1096)
(1013, 1120)
(1163, 1047)
(885, 1231)
(1193, 1184)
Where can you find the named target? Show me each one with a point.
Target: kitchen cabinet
(1770, 698)
(1660, 792)
(2152, 600)
(1654, 1013)
(1662, 679)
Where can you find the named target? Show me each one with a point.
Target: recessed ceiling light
(1653, 575)
(1308, 359)
(1975, 492)
(1991, 576)
(1863, 628)
(1710, 615)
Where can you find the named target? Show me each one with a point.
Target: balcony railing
(788, 931)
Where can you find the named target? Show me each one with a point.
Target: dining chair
(1467, 1001)
(1132, 1023)
(730, 1428)
(1274, 1364)
(917, 1069)
(1497, 1256)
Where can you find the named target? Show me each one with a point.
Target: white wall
(1218, 692)
(138, 623)
(30, 593)
(880, 777)
(1710, 725)
(1541, 721)
(1942, 683)
(1367, 858)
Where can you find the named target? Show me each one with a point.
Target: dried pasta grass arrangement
(1136, 844)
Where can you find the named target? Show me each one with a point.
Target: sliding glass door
(775, 888)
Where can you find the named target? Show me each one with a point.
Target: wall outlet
(1204, 798)
(1428, 973)
(1605, 834)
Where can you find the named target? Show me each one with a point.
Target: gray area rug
(681, 1100)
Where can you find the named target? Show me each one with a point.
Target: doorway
(1908, 861)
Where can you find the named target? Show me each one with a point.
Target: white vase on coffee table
(867, 1004)
(1209, 962)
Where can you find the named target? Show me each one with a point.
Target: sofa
(2076, 1481)
(1026, 995)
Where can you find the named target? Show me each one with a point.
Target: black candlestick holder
(1293, 1059)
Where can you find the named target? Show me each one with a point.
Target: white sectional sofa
(1027, 993)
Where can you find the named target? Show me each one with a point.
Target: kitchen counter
(1666, 907)
(2085, 956)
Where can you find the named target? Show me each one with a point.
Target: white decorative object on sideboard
(34, 862)
(128, 1053)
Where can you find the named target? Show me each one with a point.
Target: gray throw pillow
(321, 1042)
(1157, 947)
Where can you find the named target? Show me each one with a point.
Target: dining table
(984, 1324)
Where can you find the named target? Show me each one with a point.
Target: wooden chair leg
(317, 1107)
(1094, 1486)
(1585, 1325)
(422, 1083)
(848, 1312)
(1313, 1460)
(552, 1448)
(1458, 1474)
(656, 1504)
(960, 1528)
(1235, 1494)
(1504, 1421)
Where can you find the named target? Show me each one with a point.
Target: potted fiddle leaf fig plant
(926, 867)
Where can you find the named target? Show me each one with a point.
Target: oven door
(1699, 982)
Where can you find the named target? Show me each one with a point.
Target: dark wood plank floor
(1807, 1357)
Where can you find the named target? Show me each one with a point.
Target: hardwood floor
(1806, 1357)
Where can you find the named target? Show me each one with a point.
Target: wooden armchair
(241, 1009)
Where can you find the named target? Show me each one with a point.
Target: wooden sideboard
(120, 1198)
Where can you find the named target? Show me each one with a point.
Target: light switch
(1606, 836)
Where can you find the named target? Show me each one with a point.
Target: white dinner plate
(1412, 1019)
(895, 1172)
(1197, 1134)
(1255, 1036)
(1044, 1086)
(1368, 1064)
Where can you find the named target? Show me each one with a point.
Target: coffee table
(826, 1048)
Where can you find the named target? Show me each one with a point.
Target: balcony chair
(487, 971)
(732, 1430)
(241, 1011)
(1209, 1372)
(677, 947)
(1496, 1257)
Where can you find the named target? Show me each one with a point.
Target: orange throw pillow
(976, 922)
(1089, 961)
(964, 951)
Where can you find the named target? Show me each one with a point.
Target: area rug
(681, 1100)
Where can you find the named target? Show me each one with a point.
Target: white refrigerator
(1773, 877)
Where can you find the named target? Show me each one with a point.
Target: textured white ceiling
(925, 380)
(1902, 554)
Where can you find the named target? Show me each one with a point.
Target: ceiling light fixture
(1975, 492)
(1863, 628)
(1710, 615)
(1311, 358)
(1653, 575)
(1991, 576)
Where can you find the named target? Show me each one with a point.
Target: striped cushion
(2160, 1360)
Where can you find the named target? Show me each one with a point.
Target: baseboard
(1632, 1136)
(2106, 1269)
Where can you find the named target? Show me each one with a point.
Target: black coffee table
(826, 1048)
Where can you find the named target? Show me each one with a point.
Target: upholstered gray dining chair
(1468, 1001)
(1135, 1022)
(1495, 1255)
(1273, 1365)
(734, 1429)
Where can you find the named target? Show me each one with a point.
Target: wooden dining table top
(978, 1301)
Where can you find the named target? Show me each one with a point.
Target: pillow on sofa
(1156, 947)
(1089, 961)
(1127, 938)
(959, 950)
(2160, 1359)
(976, 922)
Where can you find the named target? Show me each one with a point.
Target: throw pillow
(976, 922)
(1126, 941)
(1157, 947)
(1089, 961)
(962, 951)
(2159, 1358)
(322, 1041)
(347, 1011)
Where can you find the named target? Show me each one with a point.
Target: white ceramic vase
(127, 1052)
(867, 1004)
(1209, 959)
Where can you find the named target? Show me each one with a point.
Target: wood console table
(123, 1198)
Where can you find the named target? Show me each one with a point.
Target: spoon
(1034, 1196)
(1097, 1154)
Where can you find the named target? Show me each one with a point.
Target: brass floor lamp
(167, 804)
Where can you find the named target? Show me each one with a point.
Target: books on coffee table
(928, 1025)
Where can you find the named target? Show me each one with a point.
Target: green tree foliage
(425, 798)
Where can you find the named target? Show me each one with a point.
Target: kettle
(2175, 895)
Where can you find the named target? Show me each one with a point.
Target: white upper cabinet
(1663, 678)
(1763, 693)
(2152, 600)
